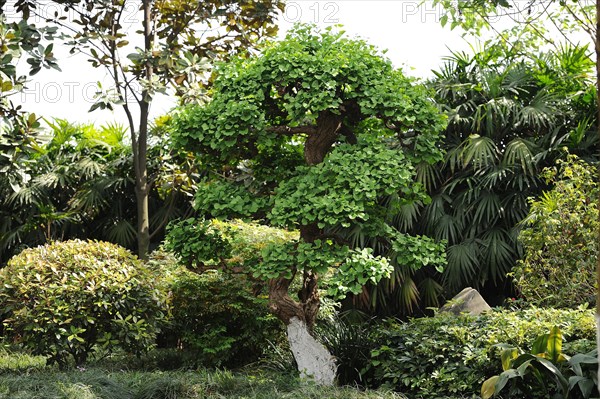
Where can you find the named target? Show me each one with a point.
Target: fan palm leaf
(462, 264)
(518, 152)
(479, 152)
(120, 231)
(499, 253)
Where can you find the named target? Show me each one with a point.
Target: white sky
(409, 31)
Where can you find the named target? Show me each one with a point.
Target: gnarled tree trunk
(313, 358)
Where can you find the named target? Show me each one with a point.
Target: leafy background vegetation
(503, 200)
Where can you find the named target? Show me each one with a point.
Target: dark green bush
(451, 356)
(194, 241)
(61, 300)
(217, 309)
(215, 316)
(347, 342)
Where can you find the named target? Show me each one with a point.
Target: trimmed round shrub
(63, 299)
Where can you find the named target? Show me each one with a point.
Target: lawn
(27, 377)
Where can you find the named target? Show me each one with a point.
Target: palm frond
(462, 264)
(495, 177)
(120, 231)
(540, 111)
(487, 208)
(518, 153)
(51, 179)
(430, 291)
(89, 167)
(435, 209)
(407, 215)
(448, 228)
(407, 295)
(91, 199)
(479, 151)
(30, 195)
(428, 175)
(499, 253)
(515, 205)
(62, 132)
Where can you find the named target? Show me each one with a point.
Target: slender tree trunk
(597, 48)
(142, 187)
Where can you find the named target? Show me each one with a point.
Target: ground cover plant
(450, 356)
(98, 383)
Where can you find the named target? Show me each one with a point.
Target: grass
(27, 377)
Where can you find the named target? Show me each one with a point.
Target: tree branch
(292, 130)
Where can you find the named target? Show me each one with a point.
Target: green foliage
(411, 252)
(510, 115)
(291, 84)
(278, 261)
(214, 316)
(359, 268)
(321, 132)
(529, 25)
(560, 237)
(20, 41)
(451, 356)
(79, 185)
(529, 373)
(197, 243)
(346, 188)
(221, 199)
(220, 312)
(63, 299)
(248, 240)
(234, 245)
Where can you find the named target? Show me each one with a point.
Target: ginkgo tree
(321, 134)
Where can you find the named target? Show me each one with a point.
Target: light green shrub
(61, 300)
(560, 239)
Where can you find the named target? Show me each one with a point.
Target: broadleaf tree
(20, 42)
(321, 134)
(176, 43)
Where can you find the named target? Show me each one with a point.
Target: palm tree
(508, 119)
(509, 116)
(80, 187)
